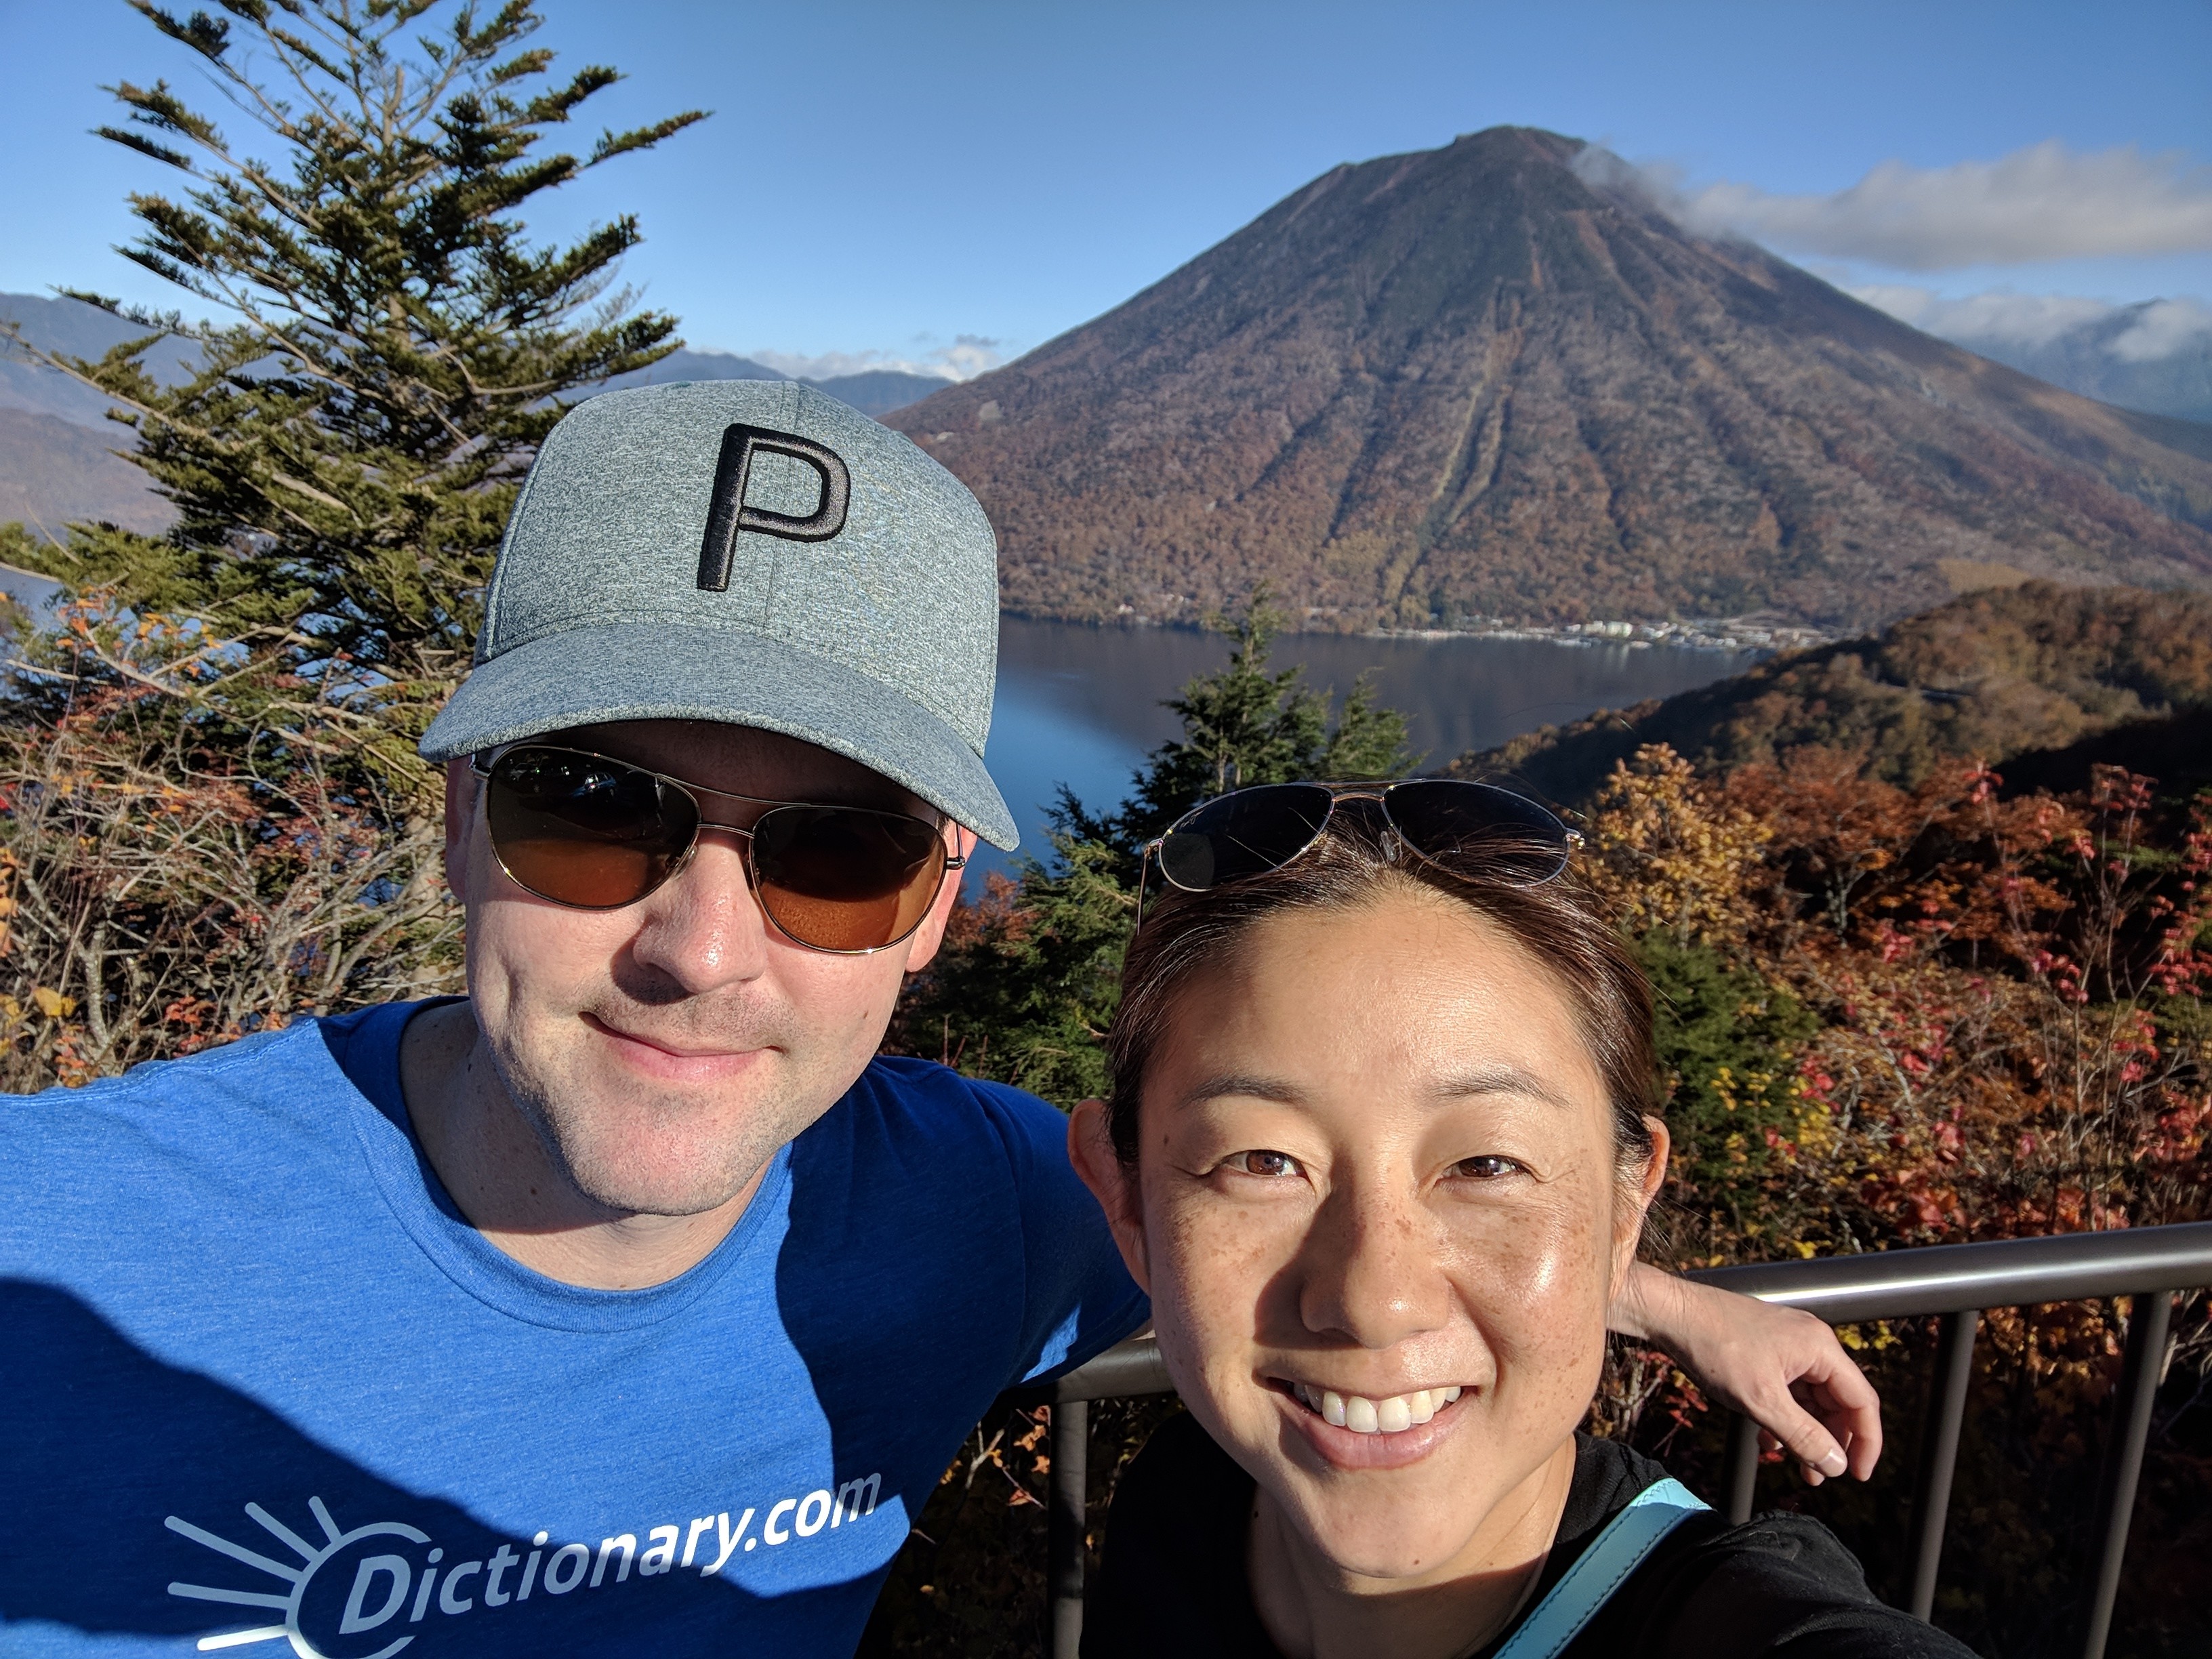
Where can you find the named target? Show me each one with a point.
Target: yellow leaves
(1864, 1339)
(52, 1004)
(1672, 854)
(1814, 1131)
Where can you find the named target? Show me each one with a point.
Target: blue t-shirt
(263, 1389)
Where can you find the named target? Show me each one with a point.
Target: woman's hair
(1359, 858)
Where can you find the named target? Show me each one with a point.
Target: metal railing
(1955, 1282)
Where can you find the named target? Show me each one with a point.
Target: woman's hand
(1782, 1368)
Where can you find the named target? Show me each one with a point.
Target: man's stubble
(634, 1147)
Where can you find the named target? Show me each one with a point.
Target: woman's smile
(1360, 1431)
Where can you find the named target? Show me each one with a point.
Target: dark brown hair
(1560, 923)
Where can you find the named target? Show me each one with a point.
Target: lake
(1081, 706)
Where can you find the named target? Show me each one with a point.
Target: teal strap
(1612, 1555)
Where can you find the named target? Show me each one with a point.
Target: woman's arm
(1782, 1368)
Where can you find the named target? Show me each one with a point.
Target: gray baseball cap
(753, 552)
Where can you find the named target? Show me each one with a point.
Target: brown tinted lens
(842, 879)
(584, 830)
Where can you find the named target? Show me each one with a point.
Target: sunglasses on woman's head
(594, 833)
(1476, 829)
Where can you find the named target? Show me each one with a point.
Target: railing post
(1939, 1452)
(1064, 1525)
(2139, 1377)
(1740, 1478)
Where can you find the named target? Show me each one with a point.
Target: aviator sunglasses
(597, 833)
(1466, 827)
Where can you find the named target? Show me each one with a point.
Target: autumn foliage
(1889, 1017)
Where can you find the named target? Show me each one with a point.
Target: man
(632, 1305)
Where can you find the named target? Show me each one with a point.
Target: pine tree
(1248, 724)
(211, 815)
(1031, 975)
(392, 347)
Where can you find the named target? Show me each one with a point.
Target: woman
(1380, 1149)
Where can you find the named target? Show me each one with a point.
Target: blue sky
(887, 179)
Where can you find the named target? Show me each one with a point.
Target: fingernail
(1834, 1463)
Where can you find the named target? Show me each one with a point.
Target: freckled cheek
(1218, 1268)
(1534, 1278)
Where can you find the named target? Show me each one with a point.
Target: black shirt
(1172, 1582)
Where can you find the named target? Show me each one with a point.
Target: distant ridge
(1470, 383)
(685, 364)
(878, 391)
(2039, 680)
(2088, 358)
(58, 449)
(54, 472)
(872, 392)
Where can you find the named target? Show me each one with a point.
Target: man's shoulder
(226, 1070)
(946, 1143)
(905, 1090)
(262, 1089)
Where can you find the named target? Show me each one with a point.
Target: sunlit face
(1378, 1190)
(665, 1050)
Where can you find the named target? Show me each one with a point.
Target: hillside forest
(1900, 1003)
(1929, 912)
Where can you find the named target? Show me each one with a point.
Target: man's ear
(1112, 1182)
(930, 934)
(462, 785)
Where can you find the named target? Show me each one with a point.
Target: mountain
(872, 392)
(2038, 679)
(1479, 382)
(2121, 358)
(57, 446)
(81, 331)
(878, 391)
(685, 364)
(54, 472)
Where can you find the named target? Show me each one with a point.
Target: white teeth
(1362, 1416)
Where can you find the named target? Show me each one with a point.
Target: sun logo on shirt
(308, 1588)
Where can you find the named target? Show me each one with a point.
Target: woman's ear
(1637, 1188)
(1654, 1169)
(1112, 1182)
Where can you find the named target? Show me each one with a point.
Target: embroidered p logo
(728, 513)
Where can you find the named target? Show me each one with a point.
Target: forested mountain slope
(2041, 679)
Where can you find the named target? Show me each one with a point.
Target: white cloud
(969, 356)
(2029, 318)
(2166, 328)
(2155, 330)
(2046, 202)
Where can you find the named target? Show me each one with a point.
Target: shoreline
(1728, 635)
